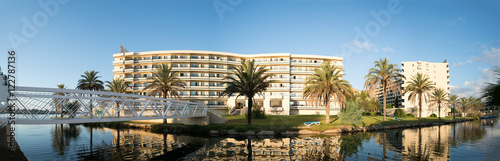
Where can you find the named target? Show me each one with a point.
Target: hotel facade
(203, 73)
(438, 74)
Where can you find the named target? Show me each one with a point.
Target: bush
(367, 113)
(389, 105)
(453, 110)
(409, 115)
(474, 115)
(400, 113)
(352, 114)
(433, 115)
(258, 113)
(378, 113)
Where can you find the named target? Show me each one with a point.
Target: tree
(59, 102)
(352, 114)
(492, 92)
(419, 88)
(439, 97)
(248, 80)
(90, 81)
(464, 103)
(454, 103)
(165, 83)
(475, 104)
(118, 86)
(383, 76)
(72, 107)
(326, 83)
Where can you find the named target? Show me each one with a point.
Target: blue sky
(83, 35)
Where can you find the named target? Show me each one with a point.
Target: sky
(56, 41)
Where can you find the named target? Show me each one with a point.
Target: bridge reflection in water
(467, 140)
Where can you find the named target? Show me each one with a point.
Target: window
(194, 93)
(195, 75)
(220, 67)
(175, 57)
(276, 103)
(156, 57)
(146, 58)
(213, 94)
(212, 66)
(195, 83)
(194, 57)
(184, 65)
(195, 65)
(183, 57)
(165, 57)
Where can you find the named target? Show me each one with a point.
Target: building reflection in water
(427, 143)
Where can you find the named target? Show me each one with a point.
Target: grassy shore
(290, 123)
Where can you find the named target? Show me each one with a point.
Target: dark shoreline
(5, 152)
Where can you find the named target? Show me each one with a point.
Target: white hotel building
(203, 73)
(438, 74)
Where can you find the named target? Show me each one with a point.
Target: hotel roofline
(226, 54)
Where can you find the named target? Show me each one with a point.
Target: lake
(475, 140)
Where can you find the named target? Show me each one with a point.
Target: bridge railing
(49, 103)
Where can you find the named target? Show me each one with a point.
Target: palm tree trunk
(384, 95)
(453, 112)
(439, 111)
(327, 108)
(249, 149)
(420, 106)
(164, 96)
(249, 110)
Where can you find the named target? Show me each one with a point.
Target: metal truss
(34, 103)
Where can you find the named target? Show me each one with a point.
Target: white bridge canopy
(34, 105)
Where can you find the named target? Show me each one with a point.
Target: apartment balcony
(216, 88)
(117, 70)
(279, 71)
(118, 62)
(199, 87)
(278, 89)
(138, 88)
(296, 89)
(128, 70)
(128, 79)
(180, 69)
(301, 72)
(199, 78)
(200, 60)
(144, 70)
(161, 60)
(280, 62)
(199, 69)
(276, 109)
(140, 79)
(281, 79)
(298, 80)
(128, 62)
(304, 64)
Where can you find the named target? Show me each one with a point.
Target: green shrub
(378, 113)
(409, 115)
(367, 113)
(399, 113)
(258, 113)
(433, 115)
(389, 105)
(474, 115)
(352, 113)
(454, 110)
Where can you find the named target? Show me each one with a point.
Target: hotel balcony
(301, 72)
(278, 89)
(298, 80)
(117, 70)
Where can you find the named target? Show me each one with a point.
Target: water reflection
(76, 142)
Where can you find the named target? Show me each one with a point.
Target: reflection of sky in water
(471, 141)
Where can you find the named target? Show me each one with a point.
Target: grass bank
(291, 123)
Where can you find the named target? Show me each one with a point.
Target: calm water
(478, 140)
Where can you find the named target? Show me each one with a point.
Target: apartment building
(203, 73)
(438, 74)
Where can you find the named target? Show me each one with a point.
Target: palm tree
(118, 86)
(439, 97)
(383, 76)
(419, 87)
(58, 101)
(454, 103)
(492, 92)
(164, 82)
(90, 81)
(464, 103)
(248, 80)
(475, 104)
(326, 82)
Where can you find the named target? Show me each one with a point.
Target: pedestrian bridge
(34, 105)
